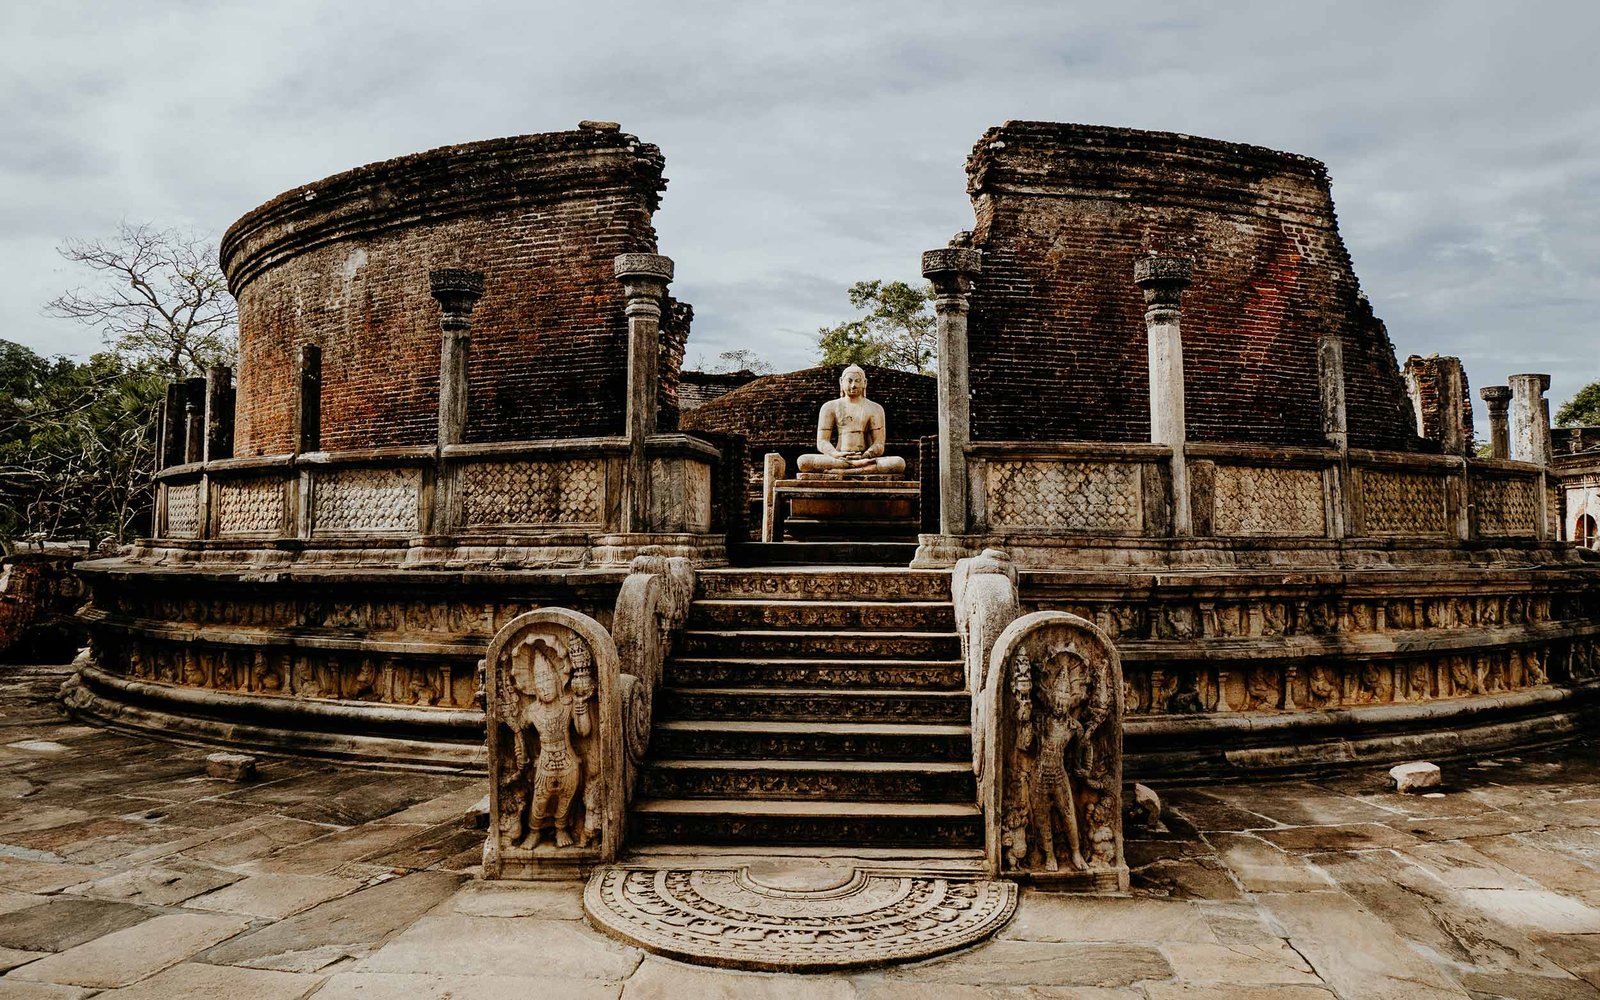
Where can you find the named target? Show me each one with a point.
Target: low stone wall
(38, 595)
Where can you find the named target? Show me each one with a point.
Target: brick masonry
(1056, 331)
(343, 263)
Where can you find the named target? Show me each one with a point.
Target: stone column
(1530, 424)
(194, 420)
(172, 426)
(1330, 376)
(1163, 280)
(644, 278)
(219, 413)
(457, 290)
(1498, 398)
(951, 270)
(308, 408)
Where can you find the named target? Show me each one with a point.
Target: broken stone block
(231, 766)
(1143, 809)
(477, 817)
(1416, 776)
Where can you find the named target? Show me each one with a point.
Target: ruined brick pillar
(1438, 389)
(644, 278)
(1530, 419)
(1163, 280)
(219, 413)
(457, 290)
(951, 270)
(308, 403)
(1498, 399)
(170, 447)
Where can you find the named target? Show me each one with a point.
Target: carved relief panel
(1051, 777)
(555, 753)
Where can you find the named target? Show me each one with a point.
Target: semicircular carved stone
(796, 919)
(1052, 781)
(553, 706)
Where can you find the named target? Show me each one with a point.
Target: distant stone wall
(343, 264)
(1057, 340)
(779, 412)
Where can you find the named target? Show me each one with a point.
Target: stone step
(858, 584)
(874, 781)
(773, 672)
(784, 822)
(805, 529)
(836, 553)
(894, 616)
(869, 645)
(814, 704)
(875, 741)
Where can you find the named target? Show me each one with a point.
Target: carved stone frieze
(250, 508)
(1268, 502)
(741, 919)
(554, 734)
(1404, 503)
(1031, 495)
(366, 500)
(183, 511)
(541, 492)
(1052, 782)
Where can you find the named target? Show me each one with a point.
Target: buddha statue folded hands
(851, 433)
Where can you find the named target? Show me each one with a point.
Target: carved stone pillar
(457, 290)
(1530, 423)
(644, 278)
(1498, 399)
(308, 410)
(219, 413)
(1163, 280)
(951, 270)
(1330, 375)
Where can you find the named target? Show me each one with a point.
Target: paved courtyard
(126, 872)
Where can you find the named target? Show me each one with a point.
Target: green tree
(896, 332)
(76, 445)
(742, 359)
(158, 296)
(1582, 410)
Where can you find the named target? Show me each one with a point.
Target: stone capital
(458, 290)
(631, 267)
(951, 270)
(1531, 382)
(1497, 396)
(1162, 278)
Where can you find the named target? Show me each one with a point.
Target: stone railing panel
(536, 492)
(651, 607)
(1507, 507)
(253, 507)
(984, 591)
(366, 500)
(1053, 495)
(1404, 502)
(1267, 501)
(182, 510)
(553, 695)
(1052, 784)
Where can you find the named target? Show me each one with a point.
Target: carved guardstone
(555, 757)
(1052, 774)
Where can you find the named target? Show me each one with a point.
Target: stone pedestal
(859, 508)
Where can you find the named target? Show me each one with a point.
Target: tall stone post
(1498, 399)
(1530, 423)
(308, 408)
(644, 278)
(1330, 376)
(457, 290)
(219, 413)
(1163, 280)
(951, 270)
(172, 426)
(194, 419)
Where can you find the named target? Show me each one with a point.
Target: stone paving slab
(333, 882)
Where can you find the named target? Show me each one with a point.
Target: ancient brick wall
(1057, 336)
(343, 263)
(779, 412)
(1424, 378)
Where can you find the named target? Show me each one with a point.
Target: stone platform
(126, 872)
(819, 506)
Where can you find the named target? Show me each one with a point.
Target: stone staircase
(816, 707)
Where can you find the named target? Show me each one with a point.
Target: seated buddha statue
(851, 433)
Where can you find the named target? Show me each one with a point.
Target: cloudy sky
(812, 145)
